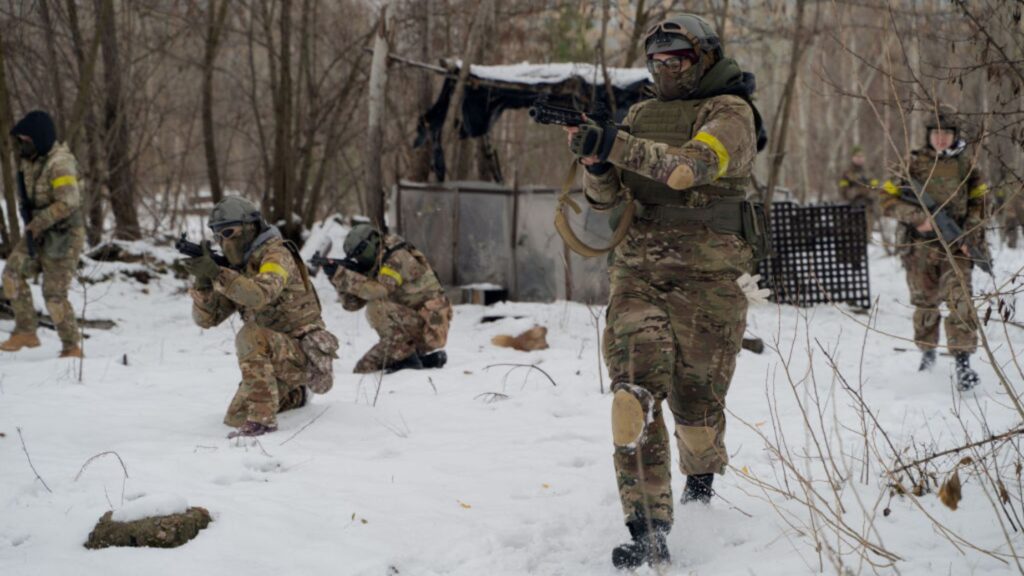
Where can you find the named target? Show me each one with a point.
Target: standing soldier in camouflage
(676, 314)
(54, 234)
(283, 347)
(857, 189)
(404, 301)
(948, 174)
(1010, 195)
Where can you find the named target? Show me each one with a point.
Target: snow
(150, 505)
(528, 73)
(432, 472)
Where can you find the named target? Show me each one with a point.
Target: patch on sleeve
(978, 191)
(274, 268)
(716, 146)
(890, 188)
(391, 273)
(63, 181)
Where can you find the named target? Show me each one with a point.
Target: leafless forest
(166, 102)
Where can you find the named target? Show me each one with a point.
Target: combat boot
(252, 429)
(927, 360)
(698, 488)
(434, 359)
(72, 352)
(648, 545)
(966, 377)
(411, 362)
(19, 340)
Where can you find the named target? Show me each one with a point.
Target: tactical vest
(297, 308)
(414, 293)
(946, 183)
(39, 186)
(673, 123)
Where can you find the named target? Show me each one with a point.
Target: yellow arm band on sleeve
(890, 188)
(844, 183)
(63, 181)
(978, 191)
(392, 273)
(716, 146)
(874, 182)
(274, 268)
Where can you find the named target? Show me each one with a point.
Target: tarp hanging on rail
(490, 90)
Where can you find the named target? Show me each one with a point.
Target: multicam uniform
(676, 316)
(281, 321)
(51, 184)
(404, 301)
(953, 182)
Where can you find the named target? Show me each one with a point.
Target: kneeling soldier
(283, 346)
(404, 301)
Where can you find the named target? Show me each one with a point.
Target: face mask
(26, 148)
(236, 246)
(675, 85)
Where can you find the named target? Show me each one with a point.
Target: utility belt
(728, 215)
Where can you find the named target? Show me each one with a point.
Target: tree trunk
(639, 27)
(282, 168)
(115, 122)
(375, 127)
(778, 146)
(9, 232)
(453, 122)
(215, 26)
(83, 121)
(51, 63)
(420, 169)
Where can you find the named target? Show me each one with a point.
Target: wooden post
(374, 193)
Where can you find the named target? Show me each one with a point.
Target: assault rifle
(950, 231)
(330, 265)
(543, 113)
(193, 250)
(25, 209)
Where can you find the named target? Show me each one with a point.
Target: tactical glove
(203, 268)
(593, 139)
(754, 294)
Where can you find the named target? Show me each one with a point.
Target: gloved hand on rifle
(592, 142)
(203, 268)
(330, 268)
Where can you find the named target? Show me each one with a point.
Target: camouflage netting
(168, 531)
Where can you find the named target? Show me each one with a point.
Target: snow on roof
(527, 73)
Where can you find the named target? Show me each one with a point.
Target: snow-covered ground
(424, 473)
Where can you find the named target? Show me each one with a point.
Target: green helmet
(233, 210)
(683, 32)
(944, 118)
(362, 244)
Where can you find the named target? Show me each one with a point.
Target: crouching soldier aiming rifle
(405, 303)
(283, 348)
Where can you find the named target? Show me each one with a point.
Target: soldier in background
(283, 347)
(948, 174)
(1010, 196)
(404, 301)
(676, 313)
(48, 184)
(856, 188)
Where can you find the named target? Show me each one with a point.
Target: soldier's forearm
(253, 293)
(602, 190)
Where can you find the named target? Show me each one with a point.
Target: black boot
(434, 359)
(698, 488)
(966, 377)
(411, 362)
(927, 360)
(648, 545)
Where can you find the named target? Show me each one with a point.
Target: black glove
(330, 268)
(593, 139)
(203, 268)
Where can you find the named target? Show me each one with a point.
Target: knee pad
(10, 287)
(632, 412)
(251, 341)
(58, 309)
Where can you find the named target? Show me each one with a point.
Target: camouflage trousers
(932, 281)
(274, 372)
(404, 331)
(57, 275)
(680, 344)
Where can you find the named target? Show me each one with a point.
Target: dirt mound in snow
(168, 531)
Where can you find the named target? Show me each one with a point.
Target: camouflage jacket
(272, 290)
(51, 184)
(404, 276)
(952, 180)
(856, 188)
(723, 145)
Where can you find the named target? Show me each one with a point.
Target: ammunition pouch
(735, 216)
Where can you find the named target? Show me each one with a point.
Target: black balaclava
(38, 126)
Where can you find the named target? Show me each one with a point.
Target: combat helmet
(362, 245)
(683, 32)
(943, 117)
(233, 210)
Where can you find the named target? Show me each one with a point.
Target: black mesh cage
(819, 255)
